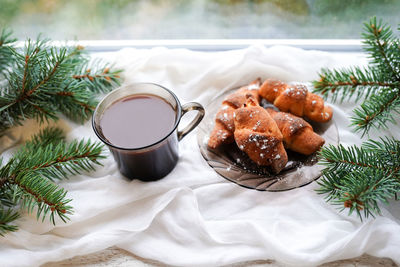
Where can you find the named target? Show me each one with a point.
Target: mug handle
(200, 114)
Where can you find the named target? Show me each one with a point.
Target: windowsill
(332, 45)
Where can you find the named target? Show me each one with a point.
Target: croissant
(298, 135)
(224, 124)
(223, 128)
(257, 134)
(238, 98)
(296, 99)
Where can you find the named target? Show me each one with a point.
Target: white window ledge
(334, 45)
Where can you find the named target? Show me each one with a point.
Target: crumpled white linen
(194, 217)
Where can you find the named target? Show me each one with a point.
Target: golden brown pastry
(257, 134)
(298, 135)
(238, 98)
(224, 124)
(295, 99)
(223, 128)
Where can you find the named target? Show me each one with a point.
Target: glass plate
(233, 164)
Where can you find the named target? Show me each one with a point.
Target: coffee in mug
(139, 124)
(137, 121)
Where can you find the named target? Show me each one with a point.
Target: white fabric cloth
(194, 217)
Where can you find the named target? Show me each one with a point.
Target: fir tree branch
(377, 111)
(347, 159)
(46, 81)
(361, 190)
(49, 135)
(97, 75)
(359, 178)
(388, 148)
(378, 155)
(378, 84)
(42, 82)
(45, 73)
(77, 104)
(341, 85)
(48, 155)
(59, 161)
(27, 177)
(382, 47)
(39, 192)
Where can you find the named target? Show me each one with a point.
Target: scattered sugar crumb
(253, 87)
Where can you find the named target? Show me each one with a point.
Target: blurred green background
(197, 19)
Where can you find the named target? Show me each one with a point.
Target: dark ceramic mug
(154, 161)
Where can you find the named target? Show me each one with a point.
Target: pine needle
(7, 216)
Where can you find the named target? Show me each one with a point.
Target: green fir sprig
(43, 81)
(361, 178)
(377, 85)
(27, 180)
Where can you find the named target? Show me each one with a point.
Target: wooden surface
(117, 257)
